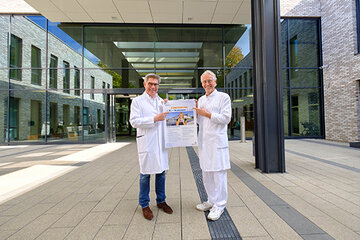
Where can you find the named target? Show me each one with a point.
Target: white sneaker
(204, 206)
(215, 213)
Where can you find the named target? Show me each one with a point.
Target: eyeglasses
(153, 84)
(207, 81)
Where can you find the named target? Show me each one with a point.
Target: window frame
(36, 71)
(66, 77)
(15, 61)
(53, 71)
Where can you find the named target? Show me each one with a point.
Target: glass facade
(54, 76)
(302, 79)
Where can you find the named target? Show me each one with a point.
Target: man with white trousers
(214, 115)
(146, 114)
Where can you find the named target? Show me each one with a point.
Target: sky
(55, 30)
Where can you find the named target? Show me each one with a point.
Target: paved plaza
(89, 191)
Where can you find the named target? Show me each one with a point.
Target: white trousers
(215, 184)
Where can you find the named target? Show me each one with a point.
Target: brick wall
(305, 8)
(339, 48)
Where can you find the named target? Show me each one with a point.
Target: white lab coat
(153, 156)
(212, 139)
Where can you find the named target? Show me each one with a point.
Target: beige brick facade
(342, 74)
(303, 8)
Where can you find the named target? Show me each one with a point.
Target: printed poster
(181, 129)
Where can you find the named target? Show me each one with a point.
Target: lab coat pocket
(141, 143)
(222, 158)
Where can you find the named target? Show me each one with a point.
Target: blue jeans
(145, 189)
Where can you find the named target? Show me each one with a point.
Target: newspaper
(181, 129)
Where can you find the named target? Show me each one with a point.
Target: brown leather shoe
(148, 214)
(165, 207)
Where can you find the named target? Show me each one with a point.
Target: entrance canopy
(142, 11)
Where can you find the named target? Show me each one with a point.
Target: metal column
(269, 132)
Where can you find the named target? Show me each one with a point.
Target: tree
(117, 78)
(233, 58)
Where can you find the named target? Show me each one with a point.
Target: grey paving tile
(26, 217)
(316, 237)
(4, 234)
(89, 226)
(22, 206)
(4, 219)
(36, 227)
(55, 234)
(296, 220)
(109, 202)
(123, 213)
(75, 215)
(167, 231)
(97, 194)
(66, 204)
(133, 232)
(111, 232)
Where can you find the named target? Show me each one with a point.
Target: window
(14, 118)
(293, 55)
(92, 87)
(103, 86)
(35, 65)
(66, 77)
(15, 57)
(77, 81)
(53, 71)
(86, 116)
(358, 24)
(77, 115)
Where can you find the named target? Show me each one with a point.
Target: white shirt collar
(149, 97)
(212, 94)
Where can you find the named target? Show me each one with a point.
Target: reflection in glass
(304, 43)
(53, 72)
(27, 107)
(111, 46)
(242, 106)
(77, 81)
(66, 77)
(94, 118)
(238, 46)
(16, 48)
(286, 115)
(305, 78)
(305, 112)
(3, 112)
(284, 42)
(64, 121)
(36, 65)
(4, 46)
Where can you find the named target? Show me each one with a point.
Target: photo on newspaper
(181, 129)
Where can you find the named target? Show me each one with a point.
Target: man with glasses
(146, 115)
(214, 115)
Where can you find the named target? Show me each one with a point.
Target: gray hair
(208, 72)
(152, 75)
